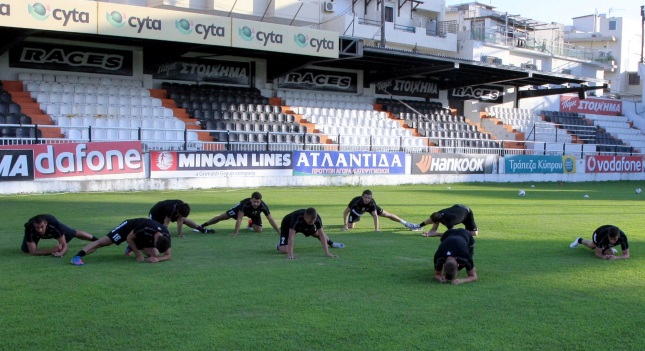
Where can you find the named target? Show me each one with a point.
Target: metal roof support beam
(400, 74)
(473, 82)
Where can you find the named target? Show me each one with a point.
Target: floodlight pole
(642, 30)
(382, 23)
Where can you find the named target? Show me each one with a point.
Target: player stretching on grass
(450, 217)
(143, 235)
(46, 226)
(366, 203)
(307, 222)
(454, 253)
(168, 211)
(603, 241)
(251, 207)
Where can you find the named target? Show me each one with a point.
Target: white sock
(404, 222)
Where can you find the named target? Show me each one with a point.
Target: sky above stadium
(562, 11)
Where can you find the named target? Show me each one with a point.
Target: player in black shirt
(143, 235)
(46, 226)
(450, 217)
(253, 208)
(603, 241)
(366, 203)
(168, 211)
(453, 254)
(307, 222)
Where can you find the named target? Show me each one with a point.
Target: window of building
(633, 78)
(612, 25)
(389, 14)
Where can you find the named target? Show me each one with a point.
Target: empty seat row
(63, 78)
(320, 96)
(245, 116)
(39, 88)
(254, 127)
(236, 137)
(115, 123)
(107, 110)
(76, 98)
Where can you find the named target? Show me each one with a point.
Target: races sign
(165, 164)
(348, 163)
(571, 103)
(485, 93)
(59, 57)
(320, 80)
(453, 164)
(613, 164)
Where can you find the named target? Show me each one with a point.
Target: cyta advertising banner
(348, 163)
(453, 164)
(539, 164)
(165, 164)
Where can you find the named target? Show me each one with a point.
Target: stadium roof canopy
(377, 63)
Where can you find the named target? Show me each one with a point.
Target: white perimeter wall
(37, 187)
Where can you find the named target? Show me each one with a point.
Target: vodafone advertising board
(94, 160)
(614, 164)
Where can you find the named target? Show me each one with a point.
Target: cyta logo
(5, 10)
(116, 19)
(301, 40)
(39, 11)
(184, 26)
(247, 33)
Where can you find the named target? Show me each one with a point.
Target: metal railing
(343, 142)
(558, 48)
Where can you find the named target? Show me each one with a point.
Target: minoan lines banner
(539, 164)
(66, 16)
(164, 164)
(150, 23)
(275, 37)
(347, 163)
(571, 103)
(453, 164)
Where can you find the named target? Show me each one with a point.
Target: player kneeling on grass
(144, 236)
(450, 217)
(307, 222)
(46, 226)
(366, 203)
(603, 241)
(253, 208)
(167, 211)
(453, 254)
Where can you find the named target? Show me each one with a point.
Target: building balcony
(436, 37)
(587, 37)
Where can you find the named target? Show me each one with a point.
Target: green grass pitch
(224, 293)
